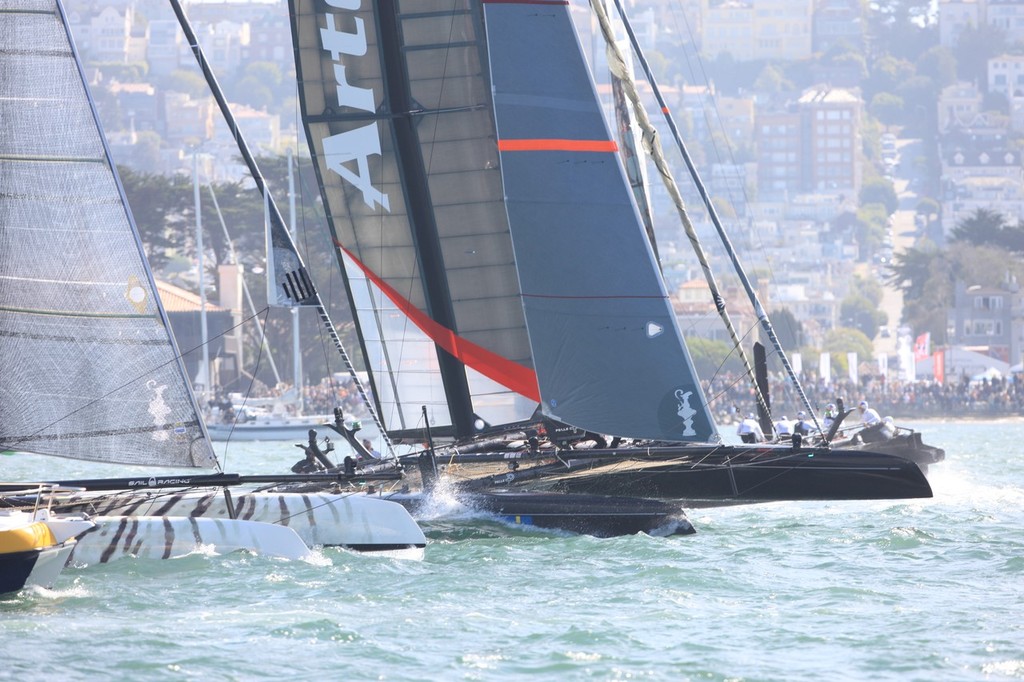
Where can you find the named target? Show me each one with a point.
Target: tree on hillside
(788, 329)
(938, 64)
(771, 80)
(910, 270)
(976, 45)
(887, 73)
(989, 228)
(843, 340)
(189, 82)
(868, 288)
(929, 208)
(927, 278)
(860, 313)
(903, 28)
(879, 191)
(850, 59)
(711, 358)
(157, 203)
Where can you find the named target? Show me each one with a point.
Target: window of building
(988, 302)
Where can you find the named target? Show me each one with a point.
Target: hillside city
(865, 160)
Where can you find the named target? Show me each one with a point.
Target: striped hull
(169, 537)
(320, 519)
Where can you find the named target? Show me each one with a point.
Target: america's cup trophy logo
(685, 411)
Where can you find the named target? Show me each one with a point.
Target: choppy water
(917, 590)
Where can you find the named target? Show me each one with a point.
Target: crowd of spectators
(319, 399)
(730, 395)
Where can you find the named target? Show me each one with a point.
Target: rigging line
(245, 287)
(617, 64)
(723, 236)
(252, 381)
(333, 271)
(711, 98)
(707, 81)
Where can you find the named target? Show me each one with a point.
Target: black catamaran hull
(724, 475)
(602, 516)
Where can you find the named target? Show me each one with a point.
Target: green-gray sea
(890, 590)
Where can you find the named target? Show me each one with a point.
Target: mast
(425, 231)
(298, 289)
(296, 343)
(204, 334)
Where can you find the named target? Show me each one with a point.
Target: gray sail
(396, 105)
(89, 369)
(607, 350)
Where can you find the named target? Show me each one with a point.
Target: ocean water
(896, 590)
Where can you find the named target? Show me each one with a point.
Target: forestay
(89, 367)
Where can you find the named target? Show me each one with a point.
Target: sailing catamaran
(502, 280)
(91, 369)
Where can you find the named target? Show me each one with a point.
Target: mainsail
(495, 254)
(90, 370)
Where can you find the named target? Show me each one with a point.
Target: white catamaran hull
(169, 537)
(353, 521)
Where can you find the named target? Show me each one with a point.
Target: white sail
(90, 368)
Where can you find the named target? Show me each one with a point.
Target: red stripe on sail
(553, 145)
(511, 375)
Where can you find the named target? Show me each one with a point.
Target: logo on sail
(347, 153)
(686, 412)
(681, 414)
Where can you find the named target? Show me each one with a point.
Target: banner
(851, 370)
(939, 366)
(797, 363)
(905, 354)
(921, 346)
(825, 368)
(883, 366)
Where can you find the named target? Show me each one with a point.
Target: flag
(797, 362)
(921, 346)
(939, 366)
(825, 368)
(851, 361)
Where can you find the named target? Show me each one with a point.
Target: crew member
(368, 444)
(868, 415)
(802, 426)
(750, 431)
(784, 427)
(830, 417)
